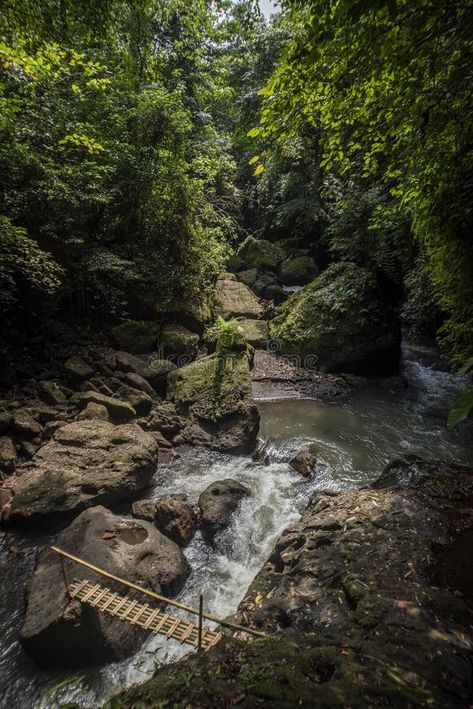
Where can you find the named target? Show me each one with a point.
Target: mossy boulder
(342, 322)
(259, 253)
(85, 463)
(214, 392)
(298, 271)
(233, 300)
(136, 337)
(176, 341)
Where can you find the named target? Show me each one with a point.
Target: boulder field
(58, 632)
(367, 601)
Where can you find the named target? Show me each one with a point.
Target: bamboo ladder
(141, 614)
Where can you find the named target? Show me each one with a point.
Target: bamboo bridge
(143, 615)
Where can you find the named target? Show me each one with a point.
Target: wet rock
(160, 440)
(7, 455)
(119, 411)
(60, 633)
(342, 322)
(51, 393)
(25, 425)
(77, 370)
(235, 300)
(305, 462)
(136, 337)
(264, 281)
(144, 509)
(177, 341)
(255, 332)
(298, 271)
(85, 463)
(165, 419)
(217, 504)
(176, 518)
(215, 394)
(94, 411)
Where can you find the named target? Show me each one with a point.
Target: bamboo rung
(140, 614)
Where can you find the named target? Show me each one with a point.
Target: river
(356, 436)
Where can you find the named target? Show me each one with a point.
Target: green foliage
(389, 86)
(225, 335)
(25, 270)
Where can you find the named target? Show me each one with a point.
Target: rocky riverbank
(360, 604)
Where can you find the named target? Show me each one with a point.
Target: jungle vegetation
(142, 140)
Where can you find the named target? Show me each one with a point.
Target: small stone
(7, 455)
(304, 462)
(25, 425)
(94, 411)
(144, 509)
(77, 370)
(119, 411)
(51, 393)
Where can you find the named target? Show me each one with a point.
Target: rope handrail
(156, 596)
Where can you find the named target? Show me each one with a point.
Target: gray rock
(119, 411)
(77, 370)
(176, 518)
(144, 509)
(234, 300)
(60, 633)
(136, 337)
(139, 400)
(94, 411)
(154, 369)
(51, 393)
(136, 381)
(85, 463)
(165, 419)
(248, 277)
(217, 504)
(5, 421)
(255, 332)
(25, 425)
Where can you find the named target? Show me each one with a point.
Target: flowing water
(357, 436)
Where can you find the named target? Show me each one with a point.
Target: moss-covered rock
(255, 332)
(233, 300)
(215, 393)
(298, 271)
(177, 340)
(259, 253)
(136, 337)
(342, 322)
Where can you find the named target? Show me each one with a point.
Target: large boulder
(258, 253)
(176, 518)
(214, 392)
(85, 463)
(58, 632)
(135, 336)
(217, 504)
(298, 271)
(233, 300)
(341, 322)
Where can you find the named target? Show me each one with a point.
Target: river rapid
(357, 436)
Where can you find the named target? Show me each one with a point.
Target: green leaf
(460, 409)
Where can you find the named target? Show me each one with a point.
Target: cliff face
(369, 600)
